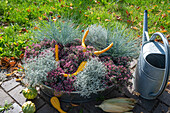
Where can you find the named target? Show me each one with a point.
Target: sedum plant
(36, 69)
(124, 43)
(91, 78)
(62, 32)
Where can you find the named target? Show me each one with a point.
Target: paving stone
(16, 93)
(133, 63)
(16, 109)
(77, 109)
(38, 102)
(128, 93)
(161, 108)
(90, 106)
(4, 97)
(44, 96)
(47, 109)
(139, 109)
(147, 104)
(165, 98)
(8, 85)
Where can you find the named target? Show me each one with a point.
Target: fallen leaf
(24, 30)
(4, 67)
(149, 10)
(155, 23)
(164, 15)
(71, 4)
(107, 20)
(162, 27)
(86, 15)
(131, 6)
(118, 17)
(28, 10)
(127, 13)
(18, 80)
(137, 8)
(12, 58)
(163, 31)
(21, 56)
(136, 93)
(40, 18)
(74, 105)
(141, 13)
(12, 63)
(140, 24)
(14, 68)
(52, 7)
(36, 28)
(135, 28)
(167, 36)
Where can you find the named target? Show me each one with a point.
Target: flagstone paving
(12, 92)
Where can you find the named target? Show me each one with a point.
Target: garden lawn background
(19, 18)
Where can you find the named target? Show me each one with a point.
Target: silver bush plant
(90, 79)
(36, 68)
(124, 44)
(62, 32)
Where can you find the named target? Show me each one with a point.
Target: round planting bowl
(74, 97)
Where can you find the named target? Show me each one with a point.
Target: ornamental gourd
(29, 92)
(28, 107)
(56, 104)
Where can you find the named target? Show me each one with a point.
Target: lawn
(19, 18)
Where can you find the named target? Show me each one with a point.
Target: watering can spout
(145, 28)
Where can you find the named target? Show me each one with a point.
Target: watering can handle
(167, 65)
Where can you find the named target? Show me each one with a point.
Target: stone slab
(147, 104)
(47, 109)
(4, 97)
(16, 109)
(161, 108)
(16, 93)
(165, 98)
(90, 107)
(38, 102)
(139, 109)
(8, 85)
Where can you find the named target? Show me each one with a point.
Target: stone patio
(12, 92)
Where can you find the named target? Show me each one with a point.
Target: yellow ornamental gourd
(83, 40)
(56, 104)
(104, 50)
(56, 53)
(80, 68)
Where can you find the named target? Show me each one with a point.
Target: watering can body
(152, 71)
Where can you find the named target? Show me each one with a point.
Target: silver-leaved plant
(124, 43)
(90, 79)
(36, 69)
(62, 32)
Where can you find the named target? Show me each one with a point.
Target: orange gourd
(104, 50)
(56, 53)
(80, 68)
(83, 40)
(56, 104)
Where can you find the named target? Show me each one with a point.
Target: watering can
(152, 71)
